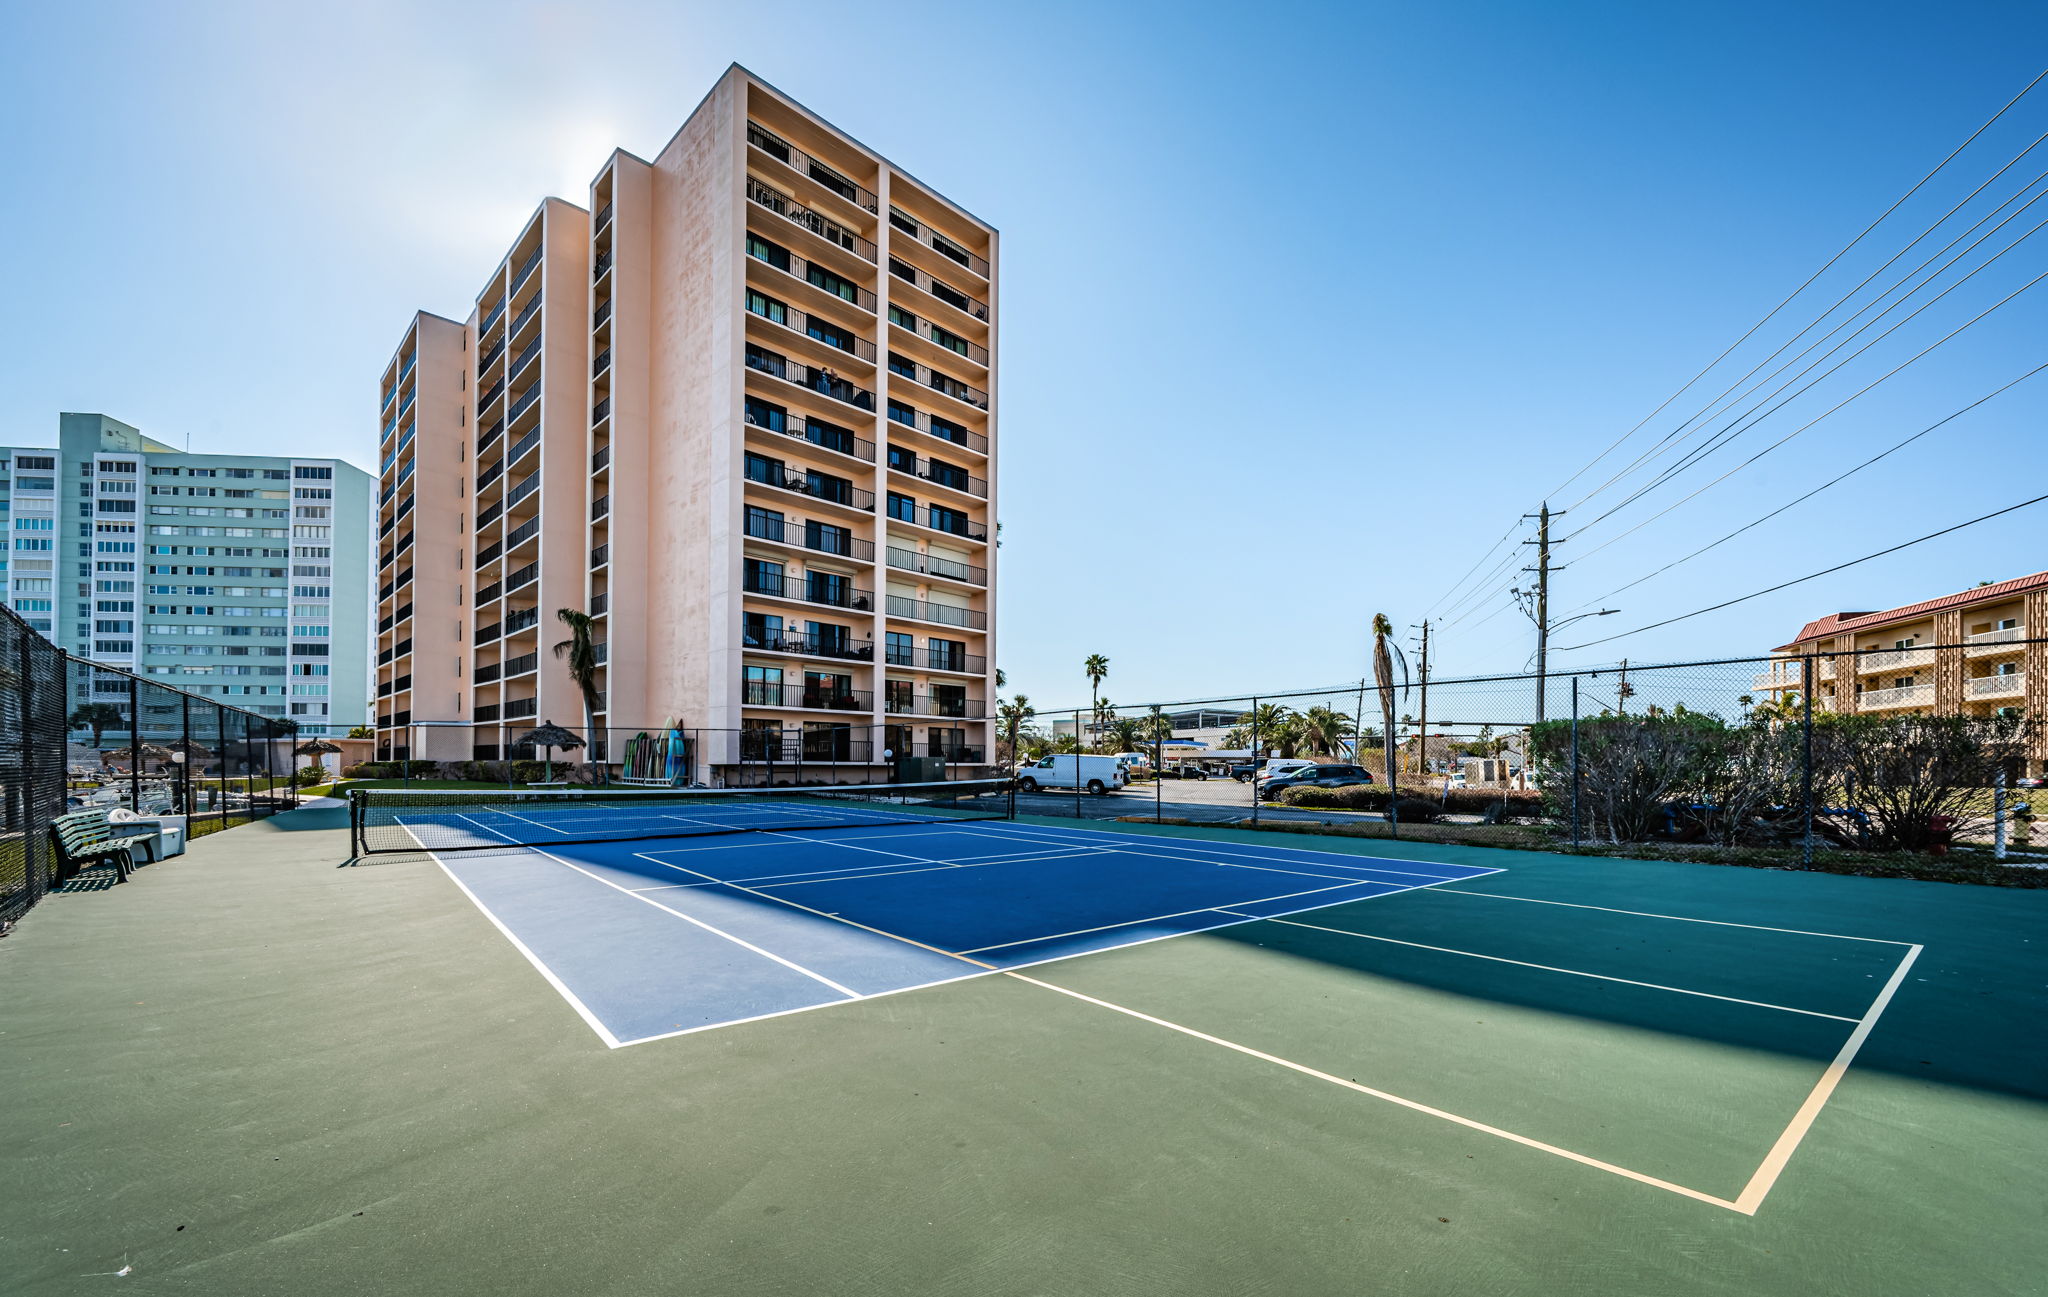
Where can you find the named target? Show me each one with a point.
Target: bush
(307, 776)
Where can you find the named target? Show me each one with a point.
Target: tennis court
(662, 916)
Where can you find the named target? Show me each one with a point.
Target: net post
(1254, 780)
(355, 824)
(135, 744)
(1080, 750)
(1158, 767)
(1575, 763)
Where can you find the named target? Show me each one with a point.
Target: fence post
(1998, 816)
(135, 744)
(1158, 768)
(1080, 748)
(1575, 763)
(185, 766)
(35, 826)
(1807, 673)
(1254, 780)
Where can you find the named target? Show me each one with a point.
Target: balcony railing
(810, 377)
(950, 476)
(487, 712)
(602, 460)
(486, 673)
(908, 416)
(937, 242)
(490, 395)
(1871, 700)
(814, 327)
(521, 446)
(491, 435)
(490, 593)
(2011, 685)
(598, 267)
(816, 276)
(485, 634)
(602, 363)
(490, 475)
(1894, 660)
(835, 594)
(523, 404)
(489, 553)
(908, 560)
(600, 604)
(601, 555)
(526, 313)
(931, 659)
(939, 289)
(944, 614)
(817, 432)
(812, 646)
(519, 535)
(769, 693)
(490, 515)
(524, 487)
(526, 268)
(519, 707)
(602, 313)
(497, 313)
(601, 507)
(520, 618)
(933, 705)
(604, 218)
(951, 524)
(484, 362)
(797, 214)
(830, 489)
(522, 664)
(1985, 643)
(822, 537)
(525, 576)
(963, 754)
(805, 165)
(944, 384)
(600, 412)
(523, 359)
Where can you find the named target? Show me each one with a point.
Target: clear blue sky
(1303, 303)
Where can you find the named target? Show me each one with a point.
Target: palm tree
(1012, 717)
(1002, 680)
(1126, 734)
(1324, 729)
(1385, 653)
(1095, 667)
(95, 717)
(1274, 726)
(1158, 726)
(580, 652)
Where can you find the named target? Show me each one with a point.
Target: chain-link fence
(75, 735)
(1836, 759)
(764, 754)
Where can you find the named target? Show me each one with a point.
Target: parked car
(1072, 770)
(1183, 770)
(1243, 774)
(1315, 776)
(1283, 767)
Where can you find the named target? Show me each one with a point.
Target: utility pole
(1422, 721)
(1541, 596)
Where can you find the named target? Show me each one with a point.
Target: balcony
(1877, 700)
(601, 507)
(497, 313)
(526, 313)
(604, 218)
(803, 164)
(601, 555)
(943, 614)
(489, 475)
(523, 359)
(490, 593)
(525, 576)
(812, 646)
(832, 490)
(520, 447)
(483, 365)
(909, 416)
(796, 213)
(487, 712)
(491, 394)
(519, 276)
(815, 327)
(600, 412)
(487, 673)
(825, 538)
(598, 267)
(939, 473)
(490, 515)
(939, 289)
(1894, 660)
(602, 363)
(519, 535)
(930, 705)
(817, 432)
(490, 437)
(961, 754)
(489, 553)
(905, 223)
(2010, 639)
(601, 314)
(2011, 685)
(931, 659)
(944, 384)
(833, 594)
(523, 404)
(950, 522)
(941, 337)
(519, 707)
(602, 460)
(930, 565)
(524, 487)
(524, 664)
(810, 378)
(1785, 675)
(600, 604)
(484, 635)
(768, 693)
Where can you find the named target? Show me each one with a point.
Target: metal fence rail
(1786, 759)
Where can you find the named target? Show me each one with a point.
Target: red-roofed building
(1975, 652)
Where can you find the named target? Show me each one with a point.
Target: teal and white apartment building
(244, 578)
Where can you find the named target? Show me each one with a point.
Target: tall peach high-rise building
(741, 410)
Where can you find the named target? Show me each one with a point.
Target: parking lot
(1218, 799)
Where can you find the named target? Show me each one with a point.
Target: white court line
(808, 1008)
(868, 871)
(1410, 1104)
(928, 869)
(1552, 968)
(1154, 918)
(1752, 1195)
(1679, 918)
(718, 932)
(1270, 869)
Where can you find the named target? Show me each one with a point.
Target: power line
(1757, 594)
(1896, 446)
(1918, 185)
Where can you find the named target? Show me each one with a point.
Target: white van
(1072, 770)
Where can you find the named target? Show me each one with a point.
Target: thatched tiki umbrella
(148, 752)
(548, 737)
(318, 750)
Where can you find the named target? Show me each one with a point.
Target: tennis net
(387, 820)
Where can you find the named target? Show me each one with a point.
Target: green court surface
(252, 1071)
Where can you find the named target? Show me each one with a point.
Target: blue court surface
(648, 939)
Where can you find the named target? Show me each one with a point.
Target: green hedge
(1418, 806)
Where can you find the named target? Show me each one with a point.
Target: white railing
(2005, 686)
(1872, 700)
(1894, 660)
(1782, 676)
(1992, 641)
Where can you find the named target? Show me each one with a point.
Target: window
(829, 587)
(899, 316)
(830, 334)
(761, 630)
(902, 222)
(764, 414)
(950, 341)
(23, 463)
(163, 472)
(767, 307)
(948, 474)
(773, 253)
(303, 472)
(945, 519)
(763, 577)
(760, 468)
(951, 431)
(834, 284)
(830, 435)
(763, 686)
(902, 413)
(946, 654)
(35, 524)
(828, 539)
(828, 637)
(32, 545)
(901, 364)
(903, 508)
(902, 457)
(765, 523)
(309, 493)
